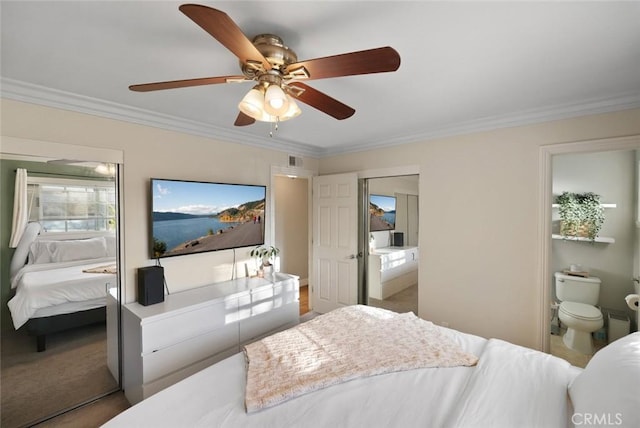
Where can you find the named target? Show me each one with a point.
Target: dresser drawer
(192, 329)
(266, 299)
(263, 324)
(157, 364)
(148, 389)
(158, 334)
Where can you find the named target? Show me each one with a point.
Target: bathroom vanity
(392, 269)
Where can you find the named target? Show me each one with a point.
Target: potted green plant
(581, 214)
(265, 256)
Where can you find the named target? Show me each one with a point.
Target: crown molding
(611, 104)
(36, 94)
(41, 95)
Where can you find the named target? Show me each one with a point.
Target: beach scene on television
(193, 217)
(382, 210)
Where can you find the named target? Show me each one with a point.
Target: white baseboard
(304, 281)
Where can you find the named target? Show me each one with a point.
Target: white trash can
(619, 326)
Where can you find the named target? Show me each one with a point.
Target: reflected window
(63, 205)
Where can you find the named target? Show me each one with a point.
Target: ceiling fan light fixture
(253, 103)
(292, 111)
(276, 102)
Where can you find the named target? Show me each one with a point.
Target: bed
(60, 284)
(506, 386)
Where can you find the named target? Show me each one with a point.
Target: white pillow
(607, 392)
(80, 249)
(21, 254)
(40, 252)
(110, 240)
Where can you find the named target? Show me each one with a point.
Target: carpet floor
(403, 301)
(35, 385)
(92, 415)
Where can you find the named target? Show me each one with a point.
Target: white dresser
(190, 330)
(392, 269)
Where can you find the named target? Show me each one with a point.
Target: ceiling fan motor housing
(274, 50)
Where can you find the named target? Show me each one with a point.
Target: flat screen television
(194, 217)
(382, 210)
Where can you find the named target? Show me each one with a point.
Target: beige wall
(478, 204)
(150, 152)
(292, 225)
(479, 239)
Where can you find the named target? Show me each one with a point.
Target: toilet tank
(577, 289)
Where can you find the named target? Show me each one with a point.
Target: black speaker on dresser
(398, 239)
(150, 285)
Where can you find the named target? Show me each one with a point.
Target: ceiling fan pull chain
(274, 126)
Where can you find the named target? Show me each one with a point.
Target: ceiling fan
(276, 70)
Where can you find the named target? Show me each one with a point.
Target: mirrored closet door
(391, 225)
(60, 285)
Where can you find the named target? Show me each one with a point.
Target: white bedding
(70, 307)
(47, 285)
(514, 386)
(432, 397)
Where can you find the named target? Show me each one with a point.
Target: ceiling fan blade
(379, 60)
(243, 120)
(171, 84)
(224, 30)
(321, 101)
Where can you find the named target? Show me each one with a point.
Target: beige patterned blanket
(342, 345)
(102, 269)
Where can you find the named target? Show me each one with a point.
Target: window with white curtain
(71, 205)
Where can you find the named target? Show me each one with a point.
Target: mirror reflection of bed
(54, 335)
(392, 264)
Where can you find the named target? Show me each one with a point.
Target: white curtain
(20, 208)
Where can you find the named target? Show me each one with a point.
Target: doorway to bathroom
(611, 258)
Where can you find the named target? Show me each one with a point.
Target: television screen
(194, 217)
(382, 210)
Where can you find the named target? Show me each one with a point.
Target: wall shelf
(602, 239)
(602, 205)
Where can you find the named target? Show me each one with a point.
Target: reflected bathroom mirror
(56, 351)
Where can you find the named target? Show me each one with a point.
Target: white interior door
(335, 241)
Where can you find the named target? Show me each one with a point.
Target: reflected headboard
(21, 253)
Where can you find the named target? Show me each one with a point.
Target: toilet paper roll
(632, 301)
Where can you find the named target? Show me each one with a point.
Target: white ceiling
(465, 66)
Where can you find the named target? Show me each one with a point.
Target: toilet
(578, 297)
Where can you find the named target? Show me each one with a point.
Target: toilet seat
(581, 311)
